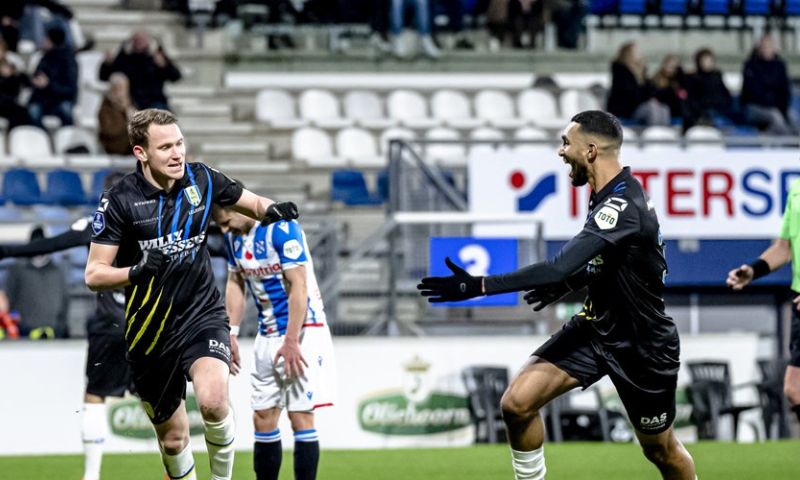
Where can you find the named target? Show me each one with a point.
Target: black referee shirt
(165, 311)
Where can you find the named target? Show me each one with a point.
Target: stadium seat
(485, 385)
(711, 138)
(55, 216)
(69, 137)
(633, 7)
(382, 184)
(757, 7)
(21, 187)
(394, 133)
(452, 108)
(349, 186)
(674, 7)
(359, 147)
(29, 142)
(485, 133)
(366, 109)
(539, 107)
(321, 108)
(87, 108)
(604, 7)
(791, 8)
(716, 7)
(410, 109)
(773, 402)
(276, 108)
(659, 134)
(445, 154)
(711, 395)
(64, 187)
(315, 147)
(574, 101)
(98, 177)
(531, 134)
(497, 108)
(88, 67)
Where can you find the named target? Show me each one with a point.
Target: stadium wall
(392, 392)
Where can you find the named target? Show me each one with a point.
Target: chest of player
(168, 217)
(256, 258)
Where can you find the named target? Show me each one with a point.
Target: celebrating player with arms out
(149, 236)
(622, 330)
(275, 263)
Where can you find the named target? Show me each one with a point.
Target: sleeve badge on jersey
(606, 218)
(292, 249)
(192, 195)
(98, 223)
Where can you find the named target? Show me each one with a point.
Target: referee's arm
(101, 274)
(777, 255)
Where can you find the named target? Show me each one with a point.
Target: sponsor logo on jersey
(98, 222)
(144, 202)
(608, 215)
(193, 195)
(260, 247)
(269, 270)
(292, 249)
(215, 346)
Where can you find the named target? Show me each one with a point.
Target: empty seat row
(787, 8)
(63, 187)
(408, 108)
(29, 142)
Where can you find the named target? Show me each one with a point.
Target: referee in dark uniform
(149, 236)
(622, 330)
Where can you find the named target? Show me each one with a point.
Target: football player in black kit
(107, 373)
(622, 330)
(149, 236)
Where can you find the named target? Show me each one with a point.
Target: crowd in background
(698, 95)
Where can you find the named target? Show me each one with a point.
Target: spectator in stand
(422, 22)
(115, 111)
(55, 81)
(11, 12)
(147, 70)
(669, 83)
(569, 19)
(11, 84)
(709, 99)
(26, 281)
(632, 95)
(766, 91)
(524, 20)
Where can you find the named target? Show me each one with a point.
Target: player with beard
(622, 330)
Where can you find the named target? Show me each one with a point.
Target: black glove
(546, 294)
(280, 211)
(459, 286)
(150, 264)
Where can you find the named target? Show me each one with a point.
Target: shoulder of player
(285, 229)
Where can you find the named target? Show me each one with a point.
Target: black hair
(56, 36)
(598, 122)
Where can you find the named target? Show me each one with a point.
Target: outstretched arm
(43, 246)
(777, 255)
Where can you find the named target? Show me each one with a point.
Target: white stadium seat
(276, 108)
(315, 147)
(366, 109)
(321, 108)
(69, 136)
(452, 108)
(497, 108)
(574, 101)
(538, 107)
(445, 154)
(485, 133)
(394, 133)
(410, 109)
(659, 134)
(359, 147)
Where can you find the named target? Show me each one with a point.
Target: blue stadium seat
(21, 187)
(382, 184)
(97, 185)
(604, 7)
(716, 7)
(349, 186)
(632, 7)
(791, 8)
(757, 7)
(674, 7)
(64, 187)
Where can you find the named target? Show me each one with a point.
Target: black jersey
(181, 299)
(624, 306)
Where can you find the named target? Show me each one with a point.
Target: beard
(580, 175)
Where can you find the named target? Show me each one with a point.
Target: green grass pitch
(568, 461)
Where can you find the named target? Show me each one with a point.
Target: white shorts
(316, 388)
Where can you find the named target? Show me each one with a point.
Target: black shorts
(161, 382)
(649, 399)
(794, 340)
(107, 370)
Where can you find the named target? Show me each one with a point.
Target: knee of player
(661, 453)
(516, 408)
(214, 409)
(174, 442)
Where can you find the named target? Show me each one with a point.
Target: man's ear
(591, 153)
(139, 153)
